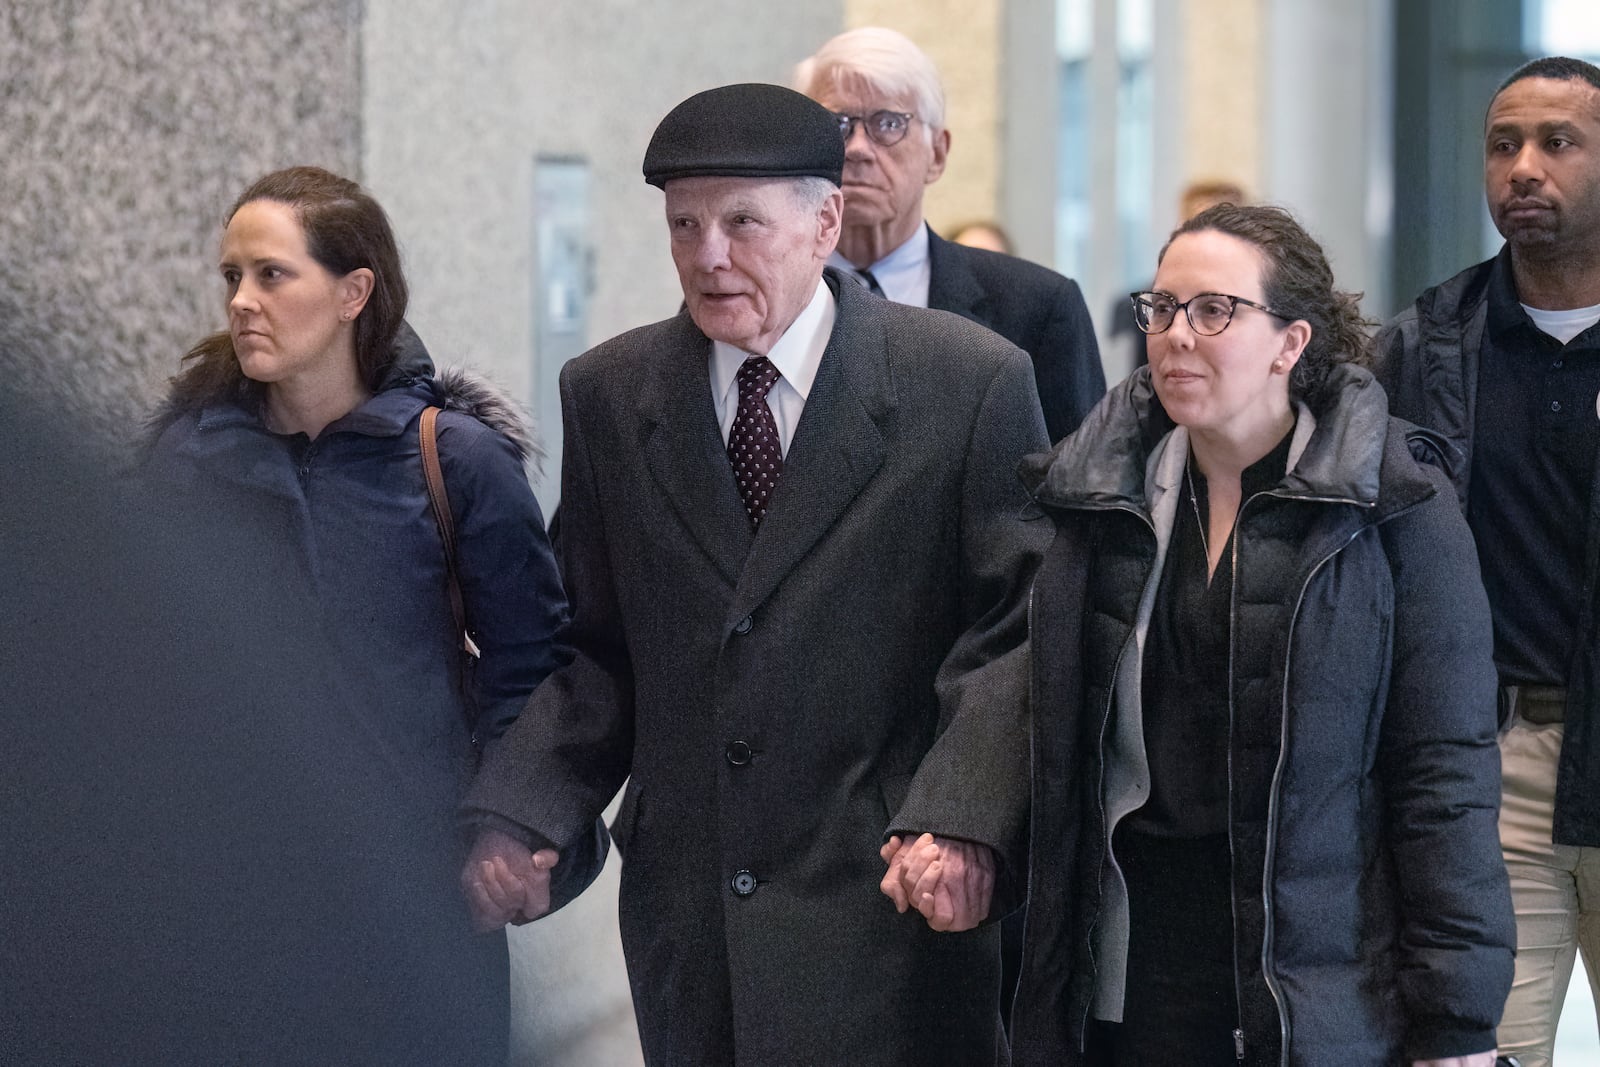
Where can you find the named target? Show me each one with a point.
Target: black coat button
(742, 627)
(738, 753)
(744, 883)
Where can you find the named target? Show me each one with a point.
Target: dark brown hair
(345, 230)
(1298, 283)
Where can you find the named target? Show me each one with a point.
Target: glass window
(1561, 28)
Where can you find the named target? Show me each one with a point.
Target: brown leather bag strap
(440, 500)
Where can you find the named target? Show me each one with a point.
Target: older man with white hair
(890, 105)
(793, 540)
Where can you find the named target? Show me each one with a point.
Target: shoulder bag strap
(441, 515)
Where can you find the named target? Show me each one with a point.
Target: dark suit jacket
(1035, 309)
(774, 700)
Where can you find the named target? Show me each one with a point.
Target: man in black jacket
(890, 103)
(1504, 360)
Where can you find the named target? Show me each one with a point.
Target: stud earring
(1277, 364)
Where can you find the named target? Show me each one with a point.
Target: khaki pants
(1555, 890)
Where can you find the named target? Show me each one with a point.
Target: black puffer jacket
(1371, 912)
(1428, 363)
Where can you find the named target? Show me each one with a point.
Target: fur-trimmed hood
(462, 390)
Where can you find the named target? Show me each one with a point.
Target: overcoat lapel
(836, 450)
(951, 284)
(684, 449)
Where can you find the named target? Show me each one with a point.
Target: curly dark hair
(1298, 283)
(345, 229)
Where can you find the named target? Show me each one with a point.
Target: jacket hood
(1347, 454)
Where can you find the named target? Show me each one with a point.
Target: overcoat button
(738, 753)
(744, 883)
(743, 626)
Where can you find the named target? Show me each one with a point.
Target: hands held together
(505, 882)
(949, 881)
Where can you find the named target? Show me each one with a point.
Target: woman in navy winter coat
(296, 433)
(1265, 778)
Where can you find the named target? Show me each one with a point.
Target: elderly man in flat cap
(797, 554)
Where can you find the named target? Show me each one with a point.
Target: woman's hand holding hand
(505, 882)
(949, 881)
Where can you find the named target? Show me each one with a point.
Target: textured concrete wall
(128, 129)
(964, 37)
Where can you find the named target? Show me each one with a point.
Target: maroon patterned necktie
(753, 446)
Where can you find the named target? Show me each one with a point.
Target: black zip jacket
(1428, 363)
(1371, 911)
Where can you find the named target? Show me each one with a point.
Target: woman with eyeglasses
(1265, 773)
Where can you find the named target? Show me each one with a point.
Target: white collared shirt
(797, 355)
(904, 274)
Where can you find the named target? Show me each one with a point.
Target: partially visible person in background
(1504, 361)
(889, 101)
(1198, 195)
(304, 422)
(1206, 193)
(986, 235)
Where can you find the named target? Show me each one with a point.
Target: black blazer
(1035, 309)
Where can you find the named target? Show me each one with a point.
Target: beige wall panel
(1223, 86)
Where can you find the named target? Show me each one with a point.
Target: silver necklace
(1194, 502)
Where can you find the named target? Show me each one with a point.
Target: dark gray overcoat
(774, 700)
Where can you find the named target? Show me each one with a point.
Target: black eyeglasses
(888, 128)
(1208, 313)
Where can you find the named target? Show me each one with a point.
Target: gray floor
(1578, 1037)
(570, 1005)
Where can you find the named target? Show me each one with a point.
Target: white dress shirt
(797, 355)
(903, 275)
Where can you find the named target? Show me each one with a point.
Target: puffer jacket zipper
(1100, 742)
